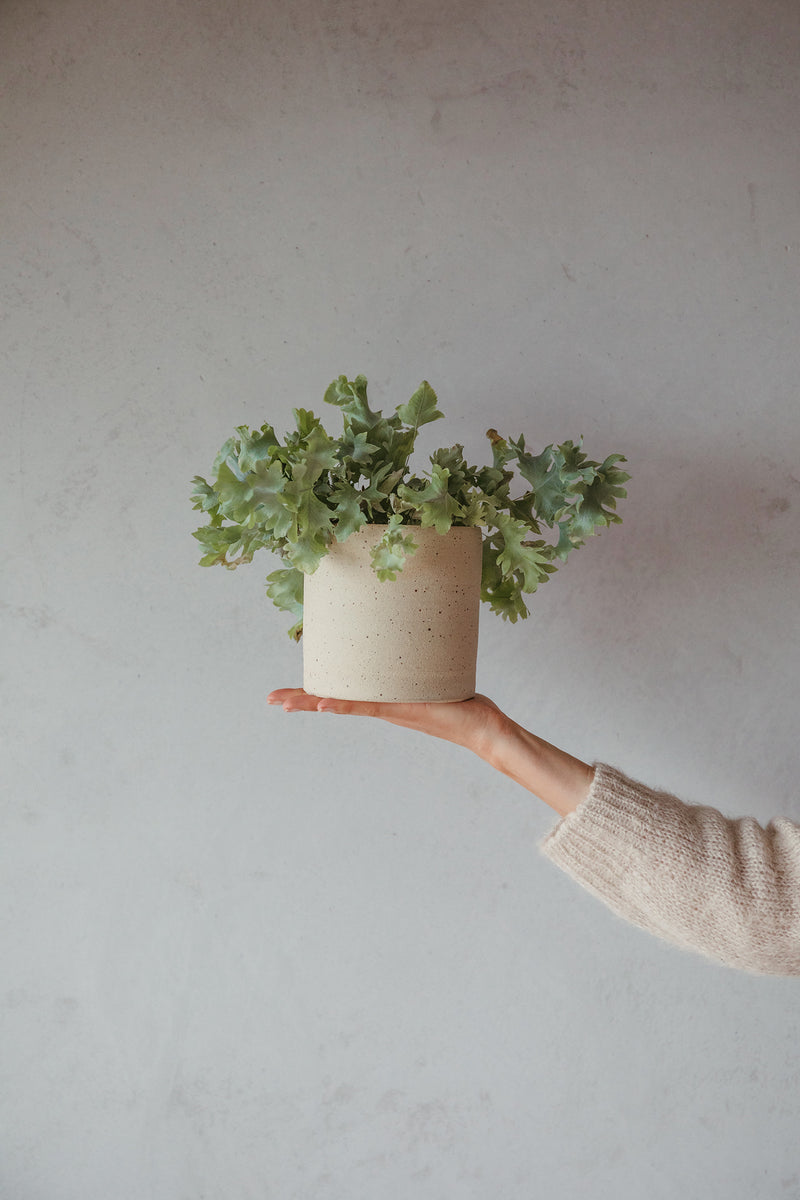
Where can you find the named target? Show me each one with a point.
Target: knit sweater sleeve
(728, 888)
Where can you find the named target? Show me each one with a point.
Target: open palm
(473, 723)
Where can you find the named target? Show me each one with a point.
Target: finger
(294, 700)
(354, 708)
(409, 716)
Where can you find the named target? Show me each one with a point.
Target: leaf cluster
(296, 495)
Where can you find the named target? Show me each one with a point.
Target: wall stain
(775, 507)
(509, 86)
(752, 192)
(35, 616)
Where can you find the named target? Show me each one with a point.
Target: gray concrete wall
(251, 956)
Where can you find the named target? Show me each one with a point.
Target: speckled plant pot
(412, 638)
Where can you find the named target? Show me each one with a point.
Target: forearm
(725, 887)
(557, 778)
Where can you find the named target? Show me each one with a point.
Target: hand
(476, 723)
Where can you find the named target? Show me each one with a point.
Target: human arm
(728, 888)
(555, 776)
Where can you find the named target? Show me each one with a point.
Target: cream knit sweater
(728, 888)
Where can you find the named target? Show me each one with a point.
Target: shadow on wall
(669, 643)
(704, 570)
(706, 524)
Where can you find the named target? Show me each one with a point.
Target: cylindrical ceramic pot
(411, 638)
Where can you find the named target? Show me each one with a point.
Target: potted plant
(347, 516)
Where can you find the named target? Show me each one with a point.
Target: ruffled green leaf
(550, 484)
(357, 448)
(306, 423)
(256, 448)
(349, 515)
(421, 408)
(530, 561)
(268, 499)
(295, 498)
(285, 590)
(203, 495)
(390, 553)
(217, 539)
(452, 460)
(502, 593)
(312, 529)
(598, 499)
(351, 397)
(318, 453)
(228, 450)
(501, 450)
(348, 394)
(434, 505)
(235, 494)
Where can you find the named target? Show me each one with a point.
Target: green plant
(295, 497)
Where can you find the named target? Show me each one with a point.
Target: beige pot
(412, 638)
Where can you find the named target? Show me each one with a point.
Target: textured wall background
(247, 955)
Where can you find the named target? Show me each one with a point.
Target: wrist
(557, 778)
(492, 740)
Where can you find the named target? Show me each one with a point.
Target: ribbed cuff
(606, 841)
(725, 888)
